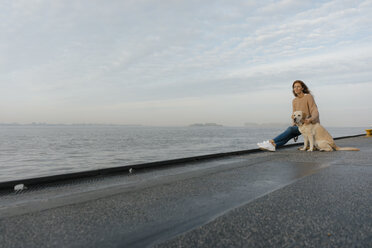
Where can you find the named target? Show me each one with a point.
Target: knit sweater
(307, 105)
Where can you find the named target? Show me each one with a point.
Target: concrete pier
(288, 198)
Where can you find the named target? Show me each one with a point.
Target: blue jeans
(288, 134)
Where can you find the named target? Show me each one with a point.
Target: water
(33, 151)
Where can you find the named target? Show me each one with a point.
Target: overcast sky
(175, 62)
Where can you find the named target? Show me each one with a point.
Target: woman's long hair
(304, 86)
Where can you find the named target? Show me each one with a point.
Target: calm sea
(33, 151)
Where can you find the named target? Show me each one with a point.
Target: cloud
(88, 54)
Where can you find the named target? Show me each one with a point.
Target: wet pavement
(284, 199)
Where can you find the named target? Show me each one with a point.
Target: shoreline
(9, 185)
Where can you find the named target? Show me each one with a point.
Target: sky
(179, 62)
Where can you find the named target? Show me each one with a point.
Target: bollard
(369, 132)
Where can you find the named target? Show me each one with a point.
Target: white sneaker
(263, 143)
(267, 146)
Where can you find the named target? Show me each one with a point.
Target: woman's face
(297, 87)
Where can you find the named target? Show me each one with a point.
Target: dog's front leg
(306, 141)
(311, 140)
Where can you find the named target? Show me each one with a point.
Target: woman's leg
(288, 134)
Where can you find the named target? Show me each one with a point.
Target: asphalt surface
(288, 198)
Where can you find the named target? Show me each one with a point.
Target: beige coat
(307, 105)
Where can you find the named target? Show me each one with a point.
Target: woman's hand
(307, 121)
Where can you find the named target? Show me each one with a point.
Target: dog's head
(298, 117)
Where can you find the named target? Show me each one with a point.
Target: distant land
(205, 125)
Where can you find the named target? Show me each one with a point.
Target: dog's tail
(346, 148)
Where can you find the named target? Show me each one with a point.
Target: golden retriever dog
(316, 135)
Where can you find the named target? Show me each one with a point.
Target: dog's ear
(304, 115)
